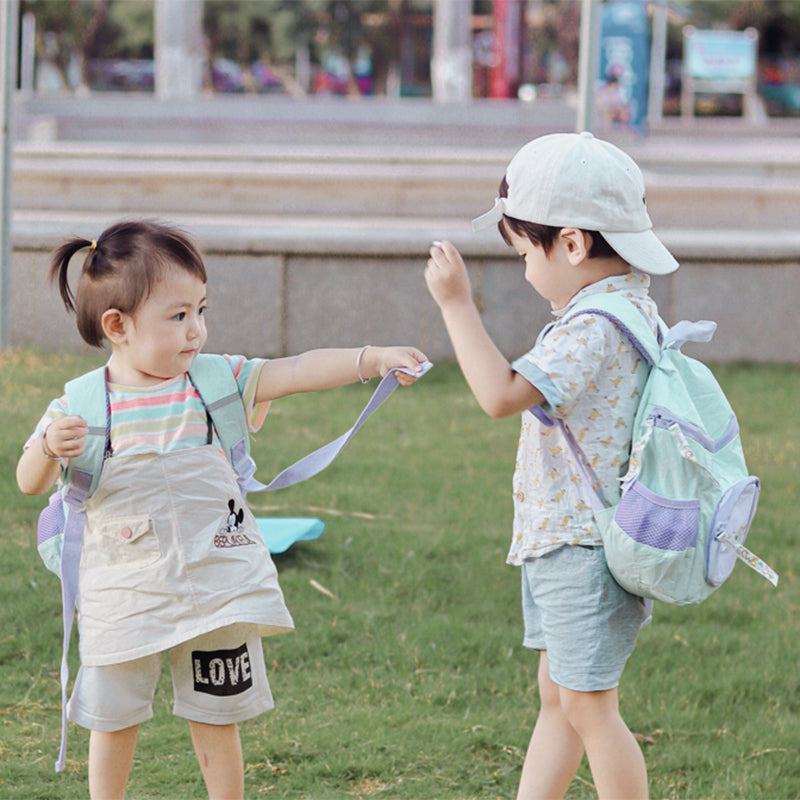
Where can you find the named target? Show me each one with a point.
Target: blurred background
(523, 49)
(315, 148)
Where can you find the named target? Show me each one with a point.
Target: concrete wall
(279, 290)
(316, 219)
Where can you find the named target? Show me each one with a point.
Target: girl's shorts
(575, 610)
(218, 678)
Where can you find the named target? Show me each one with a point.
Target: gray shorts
(218, 678)
(575, 610)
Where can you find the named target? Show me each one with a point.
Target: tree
(777, 21)
(91, 29)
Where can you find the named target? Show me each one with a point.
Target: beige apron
(171, 552)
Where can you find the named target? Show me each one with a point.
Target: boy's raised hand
(446, 276)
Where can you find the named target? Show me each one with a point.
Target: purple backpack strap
(87, 396)
(315, 462)
(76, 497)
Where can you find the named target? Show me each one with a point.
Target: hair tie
(93, 246)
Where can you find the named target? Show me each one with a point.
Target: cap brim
(491, 217)
(642, 250)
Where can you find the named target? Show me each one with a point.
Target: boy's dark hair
(546, 235)
(120, 270)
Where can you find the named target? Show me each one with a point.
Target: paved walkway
(408, 123)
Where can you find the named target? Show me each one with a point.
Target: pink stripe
(158, 400)
(238, 368)
(259, 415)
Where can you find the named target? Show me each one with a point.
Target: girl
(156, 577)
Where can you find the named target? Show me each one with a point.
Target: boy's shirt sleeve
(57, 409)
(247, 371)
(566, 360)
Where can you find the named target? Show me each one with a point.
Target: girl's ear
(576, 243)
(114, 324)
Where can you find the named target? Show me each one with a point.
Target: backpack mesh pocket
(50, 533)
(658, 521)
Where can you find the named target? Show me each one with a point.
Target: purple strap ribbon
(315, 462)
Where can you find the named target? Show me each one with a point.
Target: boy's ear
(114, 324)
(577, 244)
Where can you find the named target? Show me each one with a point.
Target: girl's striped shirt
(168, 416)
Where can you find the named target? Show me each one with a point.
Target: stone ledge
(281, 286)
(345, 182)
(385, 236)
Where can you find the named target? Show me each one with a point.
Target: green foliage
(100, 29)
(411, 682)
(244, 31)
(739, 14)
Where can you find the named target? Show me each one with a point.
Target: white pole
(8, 12)
(27, 61)
(587, 64)
(658, 65)
(451, 64)
(178, 48)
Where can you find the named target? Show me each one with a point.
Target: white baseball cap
(575, 180)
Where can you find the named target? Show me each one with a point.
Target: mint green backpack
(687, 499)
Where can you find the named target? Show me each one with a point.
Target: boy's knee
(549, 692)
(586, 710)
(549, 695)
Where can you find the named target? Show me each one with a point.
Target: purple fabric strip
(70, 562)
(315, 462)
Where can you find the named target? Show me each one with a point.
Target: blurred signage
(625, 55)
(507, 25)
(721, 55)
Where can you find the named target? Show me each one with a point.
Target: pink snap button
(126, 533)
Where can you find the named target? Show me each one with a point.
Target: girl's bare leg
(555, 749)
(219, 753)
(110, 759)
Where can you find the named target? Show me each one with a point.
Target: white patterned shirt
(591, 377)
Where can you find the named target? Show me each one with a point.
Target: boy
(573, 207)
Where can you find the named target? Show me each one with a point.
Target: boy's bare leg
(555, 749)
(110, 759)
(615, 758)
(219, 753)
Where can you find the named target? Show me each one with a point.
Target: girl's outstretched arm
(40, 465)
(329, 368)
(500, 391)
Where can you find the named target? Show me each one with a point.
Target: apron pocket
(128, 541)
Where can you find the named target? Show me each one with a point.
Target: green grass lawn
(411, 682)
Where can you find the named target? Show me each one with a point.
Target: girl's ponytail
(60, 264)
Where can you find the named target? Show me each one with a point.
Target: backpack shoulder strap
(615, 307)
(212, 377)
(624, 314)
(87, 397)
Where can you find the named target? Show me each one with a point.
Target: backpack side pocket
(659, 522)
(732, 517)
(50, 533)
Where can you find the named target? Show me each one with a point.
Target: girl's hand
(66, 437)
(379, 360)
(446, 276)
